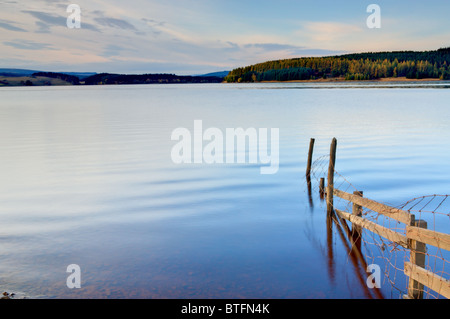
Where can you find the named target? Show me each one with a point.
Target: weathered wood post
(322, 187)
(330, 185)
(308, 171)
(418, 251)
(357, 230)
(310, 154)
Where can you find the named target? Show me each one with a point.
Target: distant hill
(80, 75)
(220, 74)
(16, 72)
(359, 66)
(25, 72)
(19, 77)
(108, 78)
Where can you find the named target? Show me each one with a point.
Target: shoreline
(46, 81)
(391, 79)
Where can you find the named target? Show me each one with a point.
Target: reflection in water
(352, 256)
(310, 199)
(360, 85)
(331, 265)
(356, 256)
(351, 240)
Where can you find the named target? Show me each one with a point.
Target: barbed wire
(375, 249)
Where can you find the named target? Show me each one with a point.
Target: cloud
(8, 25)
(28, 45)
(48, 20)
(154, 25)
(89, 26)
(232, 47)
(43, 27)
(154, 22)
(105, 20)
(115, 23)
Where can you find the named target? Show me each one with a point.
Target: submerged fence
(411, 239)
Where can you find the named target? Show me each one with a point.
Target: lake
(87, 178)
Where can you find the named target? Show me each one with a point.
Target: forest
(357, 66)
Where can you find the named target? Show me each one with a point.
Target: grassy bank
(30, 81)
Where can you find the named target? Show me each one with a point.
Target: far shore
(341, 79)
(46, 81)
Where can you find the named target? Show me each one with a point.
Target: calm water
(86, 178)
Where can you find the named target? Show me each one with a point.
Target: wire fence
(391, 256)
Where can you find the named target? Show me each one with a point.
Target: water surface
(87, 179)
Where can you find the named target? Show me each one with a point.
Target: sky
(201, 36)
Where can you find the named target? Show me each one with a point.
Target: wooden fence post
(330, 185)
(418, 251)
(322, 187)
(357, 230)
(310, 153)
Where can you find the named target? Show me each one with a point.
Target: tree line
(107, 78)
(360, 66)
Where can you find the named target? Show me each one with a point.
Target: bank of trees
(362, 66)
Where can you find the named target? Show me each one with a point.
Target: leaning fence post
(418, 251)
(330, 185)
(310, 153)
(357, 230)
